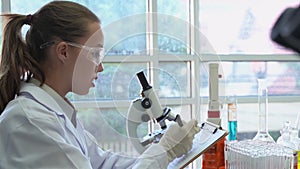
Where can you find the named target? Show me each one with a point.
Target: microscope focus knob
(146, 103)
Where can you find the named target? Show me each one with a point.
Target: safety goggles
(96, 54)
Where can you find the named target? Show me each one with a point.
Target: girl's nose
(100, 68)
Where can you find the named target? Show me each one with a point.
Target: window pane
(132, 45)
(123, 23)
(109, 128)
(174, 79)
(171, 45)
(172, 13)
(117, 81)
(184, 111)
(27, 6)
(110, 11)
(241, 26)
(176, 8)
(240, 78)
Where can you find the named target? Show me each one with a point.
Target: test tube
(232, 118)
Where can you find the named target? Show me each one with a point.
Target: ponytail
(16, 63)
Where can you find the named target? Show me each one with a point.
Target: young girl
(62, 53)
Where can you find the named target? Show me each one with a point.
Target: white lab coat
(39, 135)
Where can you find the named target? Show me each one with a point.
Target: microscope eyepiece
(143, 81)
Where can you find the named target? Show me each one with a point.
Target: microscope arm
(136, 116)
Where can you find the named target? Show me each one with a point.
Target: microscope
(144, 109)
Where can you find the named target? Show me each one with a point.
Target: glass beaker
(263, 133)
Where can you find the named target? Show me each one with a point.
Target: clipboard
(209, 134)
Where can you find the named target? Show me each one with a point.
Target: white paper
(203, 140)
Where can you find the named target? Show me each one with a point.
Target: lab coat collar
(63, 103)
(49, 102)
(42, 96)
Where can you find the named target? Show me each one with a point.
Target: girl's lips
(94, 81)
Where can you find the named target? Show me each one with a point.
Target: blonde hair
(21, 58)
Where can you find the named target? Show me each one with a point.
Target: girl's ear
(61, 51)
